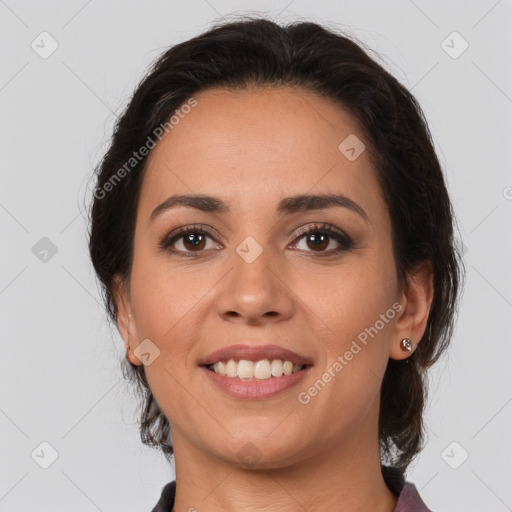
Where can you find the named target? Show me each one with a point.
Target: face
(255, 268)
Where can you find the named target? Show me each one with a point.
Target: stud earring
(406, 345)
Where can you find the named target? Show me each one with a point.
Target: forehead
(257, 144)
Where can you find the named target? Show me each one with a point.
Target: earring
(406, 345)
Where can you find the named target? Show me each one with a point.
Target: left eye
(318, 239)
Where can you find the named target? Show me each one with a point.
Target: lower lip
(255, 389)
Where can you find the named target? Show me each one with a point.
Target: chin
(259, 451)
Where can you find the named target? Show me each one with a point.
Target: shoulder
(166, 501)
(409, 499)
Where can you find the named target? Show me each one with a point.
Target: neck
(342, 478)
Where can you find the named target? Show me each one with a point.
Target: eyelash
(346, 243)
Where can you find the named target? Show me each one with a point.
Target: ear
(416, 299)
(125, 319)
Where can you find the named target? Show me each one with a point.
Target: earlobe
(412, 323)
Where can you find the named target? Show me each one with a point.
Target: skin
(251, 149)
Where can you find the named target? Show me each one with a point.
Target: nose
(255, 292)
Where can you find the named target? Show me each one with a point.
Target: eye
(319, 238)
(193, 239)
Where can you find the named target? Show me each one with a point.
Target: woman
(274, 239)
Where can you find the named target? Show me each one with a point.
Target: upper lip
(255, 353)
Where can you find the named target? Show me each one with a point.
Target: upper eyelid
(319, 226)
(182, 231)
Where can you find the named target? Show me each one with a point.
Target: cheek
(165, 303)
(352, 297)
(162, 295)
(357, 307)
(171, 305)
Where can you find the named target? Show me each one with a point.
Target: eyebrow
(288, 205)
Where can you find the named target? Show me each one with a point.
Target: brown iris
(324, 242)
(196, 241)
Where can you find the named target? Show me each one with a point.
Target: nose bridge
(254, 288)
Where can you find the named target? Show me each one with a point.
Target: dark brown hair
(257, 52)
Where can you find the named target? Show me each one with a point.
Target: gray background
(60, 378)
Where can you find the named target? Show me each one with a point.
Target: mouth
(253, 362)
(255, 372)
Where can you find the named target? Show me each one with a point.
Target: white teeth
(220, 368)
(260, 370)
(246, 369)
(231, 369)
(277, 368)
(287, 367)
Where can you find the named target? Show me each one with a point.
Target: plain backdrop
(68, 68)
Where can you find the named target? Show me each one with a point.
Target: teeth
(259, 370)
(277, 368)
(220, 367)
(231, 369)
(262, 370)
(245, 369)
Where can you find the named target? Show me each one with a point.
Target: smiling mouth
(255, 370)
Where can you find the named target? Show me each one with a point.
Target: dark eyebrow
(199, 202)
(319, 202)
(287, 205)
